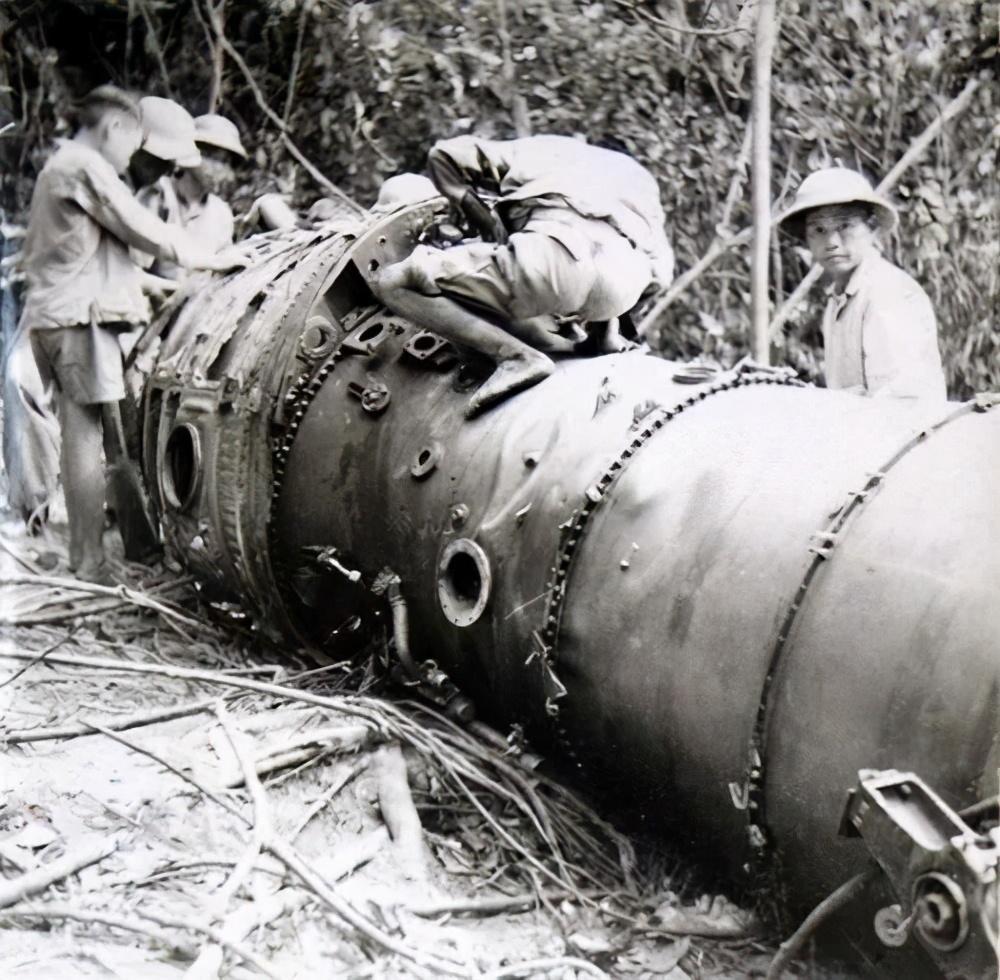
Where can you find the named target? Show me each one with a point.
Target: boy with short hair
(83, 289)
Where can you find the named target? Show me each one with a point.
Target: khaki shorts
(548, 268)
(84, 362)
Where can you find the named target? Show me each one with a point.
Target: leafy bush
(366, 87)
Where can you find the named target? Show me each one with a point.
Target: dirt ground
(291, 821)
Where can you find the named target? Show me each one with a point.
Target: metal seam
(755, 782)
(574, 527)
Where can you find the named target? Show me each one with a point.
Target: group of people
(107, 229)
(569, 238)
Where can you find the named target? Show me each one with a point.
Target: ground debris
(259, 816)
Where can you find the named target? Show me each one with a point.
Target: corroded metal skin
(725, 597)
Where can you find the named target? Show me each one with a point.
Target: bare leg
(542, 333)
(83, 479)
(518, 364)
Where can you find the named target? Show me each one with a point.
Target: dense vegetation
(363, 88)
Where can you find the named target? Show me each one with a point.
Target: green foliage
(373, 84)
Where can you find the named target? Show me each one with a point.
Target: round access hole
(182, 466)
(464, 582)
(424, 342)
(370, 333)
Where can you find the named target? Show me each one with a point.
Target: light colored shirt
(210, 221)
(559, 171)
(880, 335)
(75, 257)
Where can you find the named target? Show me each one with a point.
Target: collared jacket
(76, 258)
(880, 335)
(550, 172)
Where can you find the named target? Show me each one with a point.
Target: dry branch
(290, 858)
(81, 729)
(184, 950)
(488, 905)
(764, 40)
(398, 811)
(328, 794)
(539, 967)
(138, 926)
(170, 767)
(258, 95)
(122, 592)
(40, 878)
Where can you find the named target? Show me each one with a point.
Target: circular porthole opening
(424, 342)
(464, 582)
(182, 466)
(371, 333)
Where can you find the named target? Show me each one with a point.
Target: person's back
(550, 171)
(75, 271)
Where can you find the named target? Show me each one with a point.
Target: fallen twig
(132, 925)
(182, 949)
(537, 967)
(82, 729)
(488, 905)
(838, 899)
(328, 794)
(241, 924)
(290, 858)
(118, 591)
(304, 747)
(398, 811)
(40, 878)
(62, 641)
(229, 808)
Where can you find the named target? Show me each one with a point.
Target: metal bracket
(943, 873)
(430, 349)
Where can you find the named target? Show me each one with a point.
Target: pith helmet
(168, 131)
(404, 189)
(215, 130)
(837, 185)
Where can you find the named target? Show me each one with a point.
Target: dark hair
(102, 100)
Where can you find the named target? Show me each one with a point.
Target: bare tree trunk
(763, 50)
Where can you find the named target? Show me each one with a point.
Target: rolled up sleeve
(113, 206)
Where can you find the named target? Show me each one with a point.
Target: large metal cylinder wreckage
(725, 595)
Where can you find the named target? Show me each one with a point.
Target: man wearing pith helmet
(879, 329)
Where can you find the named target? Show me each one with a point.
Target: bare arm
(110, 203)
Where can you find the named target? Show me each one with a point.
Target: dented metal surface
(723, 594)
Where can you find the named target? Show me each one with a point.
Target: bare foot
(514, 374)
(98, 572)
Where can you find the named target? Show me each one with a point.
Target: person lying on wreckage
(570, 231)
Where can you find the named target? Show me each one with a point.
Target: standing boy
(83, 289)
(879, 329)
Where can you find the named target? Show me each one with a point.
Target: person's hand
(230, 257)
(483, 219)
(157, 286)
